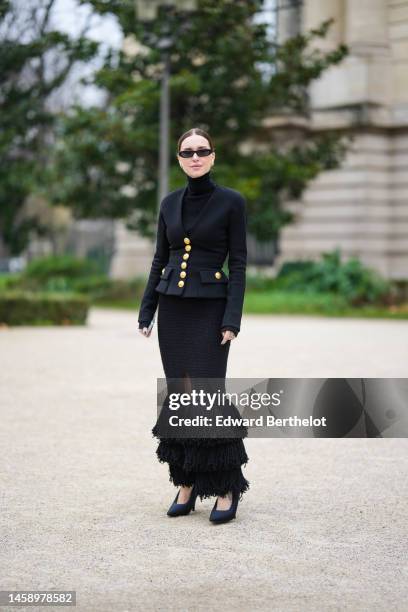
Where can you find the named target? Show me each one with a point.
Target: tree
(35, 61)
(106, 161)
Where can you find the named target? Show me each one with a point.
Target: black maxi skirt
(189, 333)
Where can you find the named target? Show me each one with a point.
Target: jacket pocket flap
(209, 276)
(166, 273)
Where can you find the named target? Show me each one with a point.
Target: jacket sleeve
(230, 328)
(237, 261)
(161, 257)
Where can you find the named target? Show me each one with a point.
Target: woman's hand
(146, 332)
(227, 335)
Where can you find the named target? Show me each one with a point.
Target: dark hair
(197, 131)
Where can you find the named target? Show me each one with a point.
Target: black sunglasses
(200, 152)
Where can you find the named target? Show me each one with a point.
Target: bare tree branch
(46, 17)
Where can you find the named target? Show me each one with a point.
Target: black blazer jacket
(189, 264)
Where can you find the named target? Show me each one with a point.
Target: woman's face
(196, 166)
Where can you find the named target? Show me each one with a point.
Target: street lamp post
(146, 11)
(164, 154)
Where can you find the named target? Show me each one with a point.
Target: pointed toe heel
(223, 516)
(183, 509)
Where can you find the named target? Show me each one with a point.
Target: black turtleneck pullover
(197, 194)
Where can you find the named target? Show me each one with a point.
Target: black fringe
(179, 477)
(203, 459)
(214, 470)
(211, 484)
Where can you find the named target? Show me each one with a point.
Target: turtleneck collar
(200, 184)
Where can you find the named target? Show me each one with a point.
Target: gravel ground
(323, 527)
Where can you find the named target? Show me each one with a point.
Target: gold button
(186, 256)
(187, 240)
(187, 247)
(218, 275)
(163, 270)
(183, 274)
(181, 283)
(183, 265)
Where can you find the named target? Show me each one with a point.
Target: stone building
(362, 207)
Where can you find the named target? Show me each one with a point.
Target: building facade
(361, 207)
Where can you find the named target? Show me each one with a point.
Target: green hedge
(351, 279)
(28, 308)
(108, 290)
(60, 266)
(64, 274)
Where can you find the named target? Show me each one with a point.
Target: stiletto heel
(183, 509)
(223, 516)
(194, 502)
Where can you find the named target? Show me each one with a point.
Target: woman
(199, 314)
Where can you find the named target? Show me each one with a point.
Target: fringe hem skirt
(189, 333)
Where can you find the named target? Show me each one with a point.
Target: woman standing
(199, 314)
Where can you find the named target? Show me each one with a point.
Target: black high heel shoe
(183, 509)
(223, 516)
